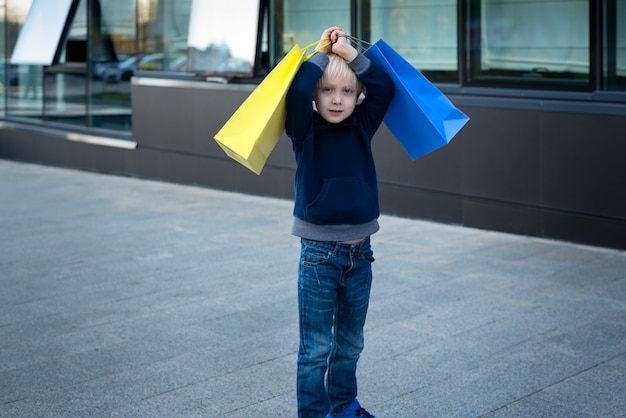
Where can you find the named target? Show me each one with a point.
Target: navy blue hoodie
(336, 188)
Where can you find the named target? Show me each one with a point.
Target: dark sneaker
(362, 413)
(354, 410)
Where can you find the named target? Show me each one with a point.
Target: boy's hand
(338, 44)
(342, 47)
(326, 36)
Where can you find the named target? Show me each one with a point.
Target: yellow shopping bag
(252, 132)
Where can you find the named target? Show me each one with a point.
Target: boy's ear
(361, 97)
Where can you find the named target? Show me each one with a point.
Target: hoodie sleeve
(379, 90)
(300, 96)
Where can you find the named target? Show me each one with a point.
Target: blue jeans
(334, 282)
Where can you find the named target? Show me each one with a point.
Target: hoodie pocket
(343, 200)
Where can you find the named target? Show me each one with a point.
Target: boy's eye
(348, 91)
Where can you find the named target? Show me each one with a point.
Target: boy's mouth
(335, 112)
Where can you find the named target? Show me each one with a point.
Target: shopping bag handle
(359, 44)
(316, 50)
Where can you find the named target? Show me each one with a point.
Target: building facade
(139, 88)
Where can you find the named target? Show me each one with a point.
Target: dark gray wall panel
(584, 163)
(500, 155)
(528, 168)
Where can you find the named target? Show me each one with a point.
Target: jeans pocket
(368, 256)
(367, 253)
(314, 261)
(312, 255)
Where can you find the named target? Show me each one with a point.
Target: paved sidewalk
(122, 297)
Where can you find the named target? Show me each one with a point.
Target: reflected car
(13, 72)
(126, 68)
(100, 68)
(179, 64)
(123, 71)
(151, 62)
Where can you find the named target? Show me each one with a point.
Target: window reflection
(162, 37)
(422, 31)
(216, 44)
(3, 72)
(111, 64)
(76, 87)
(304, 21)
(39, 37)
(16, 77)
(530, 42)
(615, 45)
(510, 43)
(65, 82)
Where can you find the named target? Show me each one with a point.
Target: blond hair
(338, 69)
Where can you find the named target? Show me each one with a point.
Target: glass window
(169, 39)
(39, 38)
(3, 64)
(21, 79)
(424, 32)
(65, 83)
(163, 34)
(303, 21)
(112, 43)
(615, 45)
(529, 42)
(216, 45)
(80, 85)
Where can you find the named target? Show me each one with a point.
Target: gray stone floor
(122, 297)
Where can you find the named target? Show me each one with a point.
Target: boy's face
(335, 100)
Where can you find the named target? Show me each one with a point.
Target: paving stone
(121, 297)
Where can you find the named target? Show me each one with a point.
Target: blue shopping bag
(420, 116)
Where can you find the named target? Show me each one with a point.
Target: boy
(336, 210)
